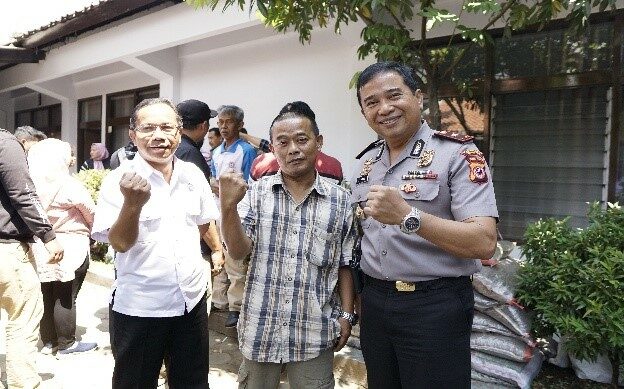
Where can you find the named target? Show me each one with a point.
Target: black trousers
(418, 339)
(139, 345)
(58, 324)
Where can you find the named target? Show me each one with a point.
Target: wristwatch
(411, 221)
(352, 318)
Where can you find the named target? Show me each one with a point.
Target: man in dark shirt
(21, 218)
(195, 116)
(195, 124)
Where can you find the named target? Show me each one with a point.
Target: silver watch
(352, 318)
(411, 222)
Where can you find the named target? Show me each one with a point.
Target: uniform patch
(453, 136)
(476, 161)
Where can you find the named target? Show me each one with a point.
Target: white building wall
(262, 76)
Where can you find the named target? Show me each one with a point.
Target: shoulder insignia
(368, 148)
(453, 136)
(476, 162)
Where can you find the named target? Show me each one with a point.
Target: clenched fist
(386, 205)
(232, 189)
(135, 189)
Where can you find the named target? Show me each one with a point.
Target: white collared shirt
(162, 274)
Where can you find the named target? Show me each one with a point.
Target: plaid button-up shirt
(290, 307)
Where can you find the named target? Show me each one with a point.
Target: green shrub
(573, 279)
(92, 180)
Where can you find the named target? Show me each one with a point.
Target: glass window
(40, 118)
(22, 119)
(91, 110)
(553, 52)
(148, 94)
(122, 105)
(619, 181)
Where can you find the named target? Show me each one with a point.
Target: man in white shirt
(149, 210)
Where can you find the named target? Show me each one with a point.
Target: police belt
(405, 286)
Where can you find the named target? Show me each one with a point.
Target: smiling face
(295, 147)
(391, 109)
(157, 147)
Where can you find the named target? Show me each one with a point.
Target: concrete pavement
(94, 369)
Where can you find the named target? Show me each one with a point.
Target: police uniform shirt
(437, 174)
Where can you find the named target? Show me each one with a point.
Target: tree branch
(396, 19)
(460, 56)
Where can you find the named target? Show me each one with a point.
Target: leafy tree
(389, 35)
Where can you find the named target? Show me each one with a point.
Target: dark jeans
(418, 339)
(58, 324)
(139, 345)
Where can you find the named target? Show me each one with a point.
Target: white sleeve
(107, 208)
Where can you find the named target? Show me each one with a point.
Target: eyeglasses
(148, 128)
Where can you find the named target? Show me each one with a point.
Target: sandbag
(520, 374)
(512, 317)
(562, 359)
(482, 303)
(501, 346)
(498, 282)
(599, 370)
(484, 323)
(476, 384)
(483, 380)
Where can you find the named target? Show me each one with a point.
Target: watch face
(412, 223)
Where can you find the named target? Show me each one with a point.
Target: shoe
(232, 319)
(48, 349)
(79, 347)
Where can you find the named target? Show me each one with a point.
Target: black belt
(405, 286)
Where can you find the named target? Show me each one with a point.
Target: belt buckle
(403, 286)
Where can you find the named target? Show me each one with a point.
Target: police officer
(427, 210)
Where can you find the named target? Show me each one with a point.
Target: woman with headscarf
(100, 158)
(70, 208)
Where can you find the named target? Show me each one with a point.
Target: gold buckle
(403, 286)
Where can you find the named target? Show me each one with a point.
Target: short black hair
(153, 101)
(296, 109)
(406, 73)
(215, 130)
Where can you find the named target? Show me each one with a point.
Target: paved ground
(93, 370)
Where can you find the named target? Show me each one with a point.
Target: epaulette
(455, 137)
(368, 148)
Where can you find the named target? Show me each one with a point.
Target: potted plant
(92, 180)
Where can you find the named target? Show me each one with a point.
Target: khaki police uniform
(417, 299)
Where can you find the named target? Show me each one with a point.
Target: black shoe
(232, 319)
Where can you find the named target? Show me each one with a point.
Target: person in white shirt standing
(149, 210)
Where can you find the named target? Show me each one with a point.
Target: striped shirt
(290, 307)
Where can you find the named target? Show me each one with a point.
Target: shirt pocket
(321, 246)
(149, 226)
(425, 191)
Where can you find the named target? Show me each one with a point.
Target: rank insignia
(420, 174)
(476, 161)
(426, 158)
(453, 136)
(417, 149)
(408, 188)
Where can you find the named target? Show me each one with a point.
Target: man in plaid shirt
(298, 302)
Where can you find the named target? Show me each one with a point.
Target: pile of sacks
(502, 350)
